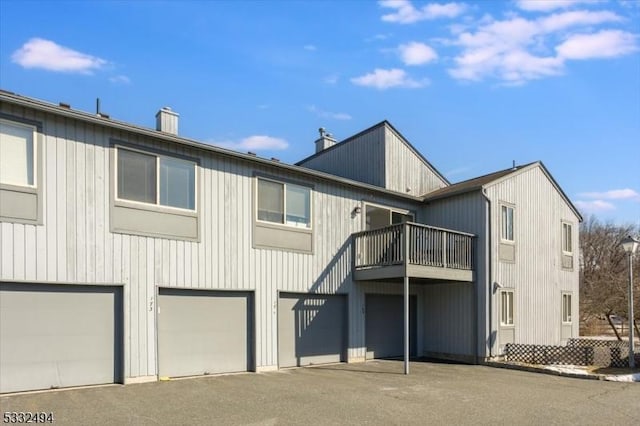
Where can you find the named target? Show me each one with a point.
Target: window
(17, 154)
(378, 216)
(507, 223)
(566, 308)
(284, 203)
(156, 179)
(506, 306)
(566, 238)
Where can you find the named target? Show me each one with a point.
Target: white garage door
(54, 336)
(203, 332)
(384, 325)
(312, 329)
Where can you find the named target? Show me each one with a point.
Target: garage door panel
(203, 332)
(384, 325)
(59, 336)
(311, 329)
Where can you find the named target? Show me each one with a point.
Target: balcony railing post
(444, 249)
(405, 246)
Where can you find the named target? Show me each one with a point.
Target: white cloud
(415, 53)
(120, 79)
(330, 115)
(46, 54)
(309, 47)
(548, 5)
(516, 50)
(331, 79)
(384, 79)
(448, 10)
(603, 44)
(406, 13)
(594, 206)
(255, 143)
(565, 20)
(378, 37)
(614, 194)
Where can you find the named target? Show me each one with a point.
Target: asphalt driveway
(371, 393)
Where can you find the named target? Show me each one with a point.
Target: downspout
(489, 269)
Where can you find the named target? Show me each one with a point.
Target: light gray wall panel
(19, 205)
(128, 220)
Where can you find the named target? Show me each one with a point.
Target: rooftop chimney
(325, 141)
(167, 121)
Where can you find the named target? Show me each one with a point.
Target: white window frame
(386, 207)
(510, 308)
(284, 202)
(504, 238)
(157, 203)
(34, 160)
(564, 239)
(567, 302)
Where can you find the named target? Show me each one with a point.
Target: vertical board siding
(360, 158)
(466, 213)
(75, 244)
(407, 171)
(379, 157)
(448, 319)
(536, 275)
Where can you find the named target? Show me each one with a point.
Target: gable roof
(494, 178)
(102, 120)
(383, 123)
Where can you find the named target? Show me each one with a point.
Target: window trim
(34, 161)
(511, 292)
(569, 225)
(141, 204)
(284, 184)
(504, 205)
(567, 295)
(391, 209)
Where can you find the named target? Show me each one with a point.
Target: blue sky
(473, 85)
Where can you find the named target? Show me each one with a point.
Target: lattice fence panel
(607, 353)
(597, 343)
(541, 354)
(578, 352)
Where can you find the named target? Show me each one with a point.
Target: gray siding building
(128, 254)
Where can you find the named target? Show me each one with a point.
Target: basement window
(506, 307)
(566, 308)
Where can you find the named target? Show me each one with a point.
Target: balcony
(413, 250)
